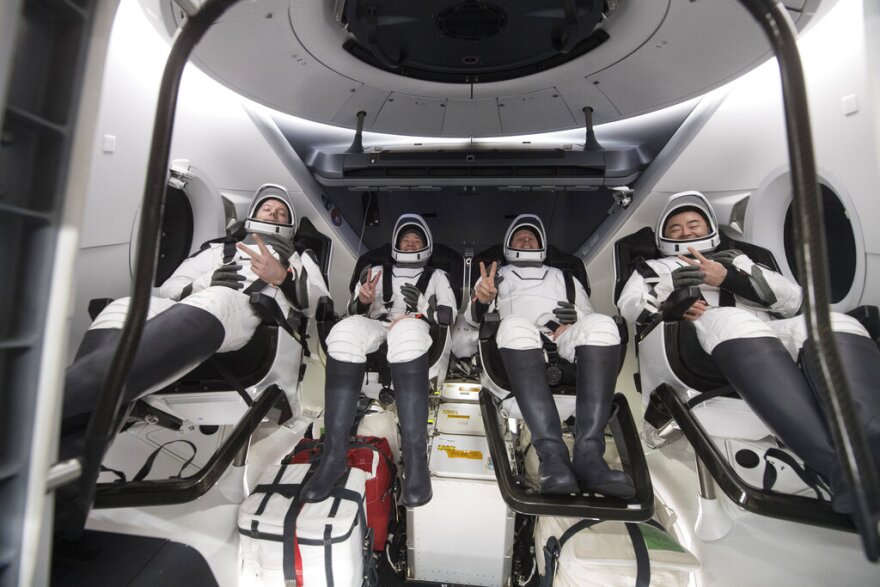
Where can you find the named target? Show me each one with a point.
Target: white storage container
(465, 533)
(460, 418)
(462, 457)
(334, 528)
(460, 391)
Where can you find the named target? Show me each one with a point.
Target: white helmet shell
(405, 223)
(526, 256)
(682, 202)
(271, 191)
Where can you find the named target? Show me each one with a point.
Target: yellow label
(454, 453)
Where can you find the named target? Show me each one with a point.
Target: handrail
(812, 263)
(102, 425)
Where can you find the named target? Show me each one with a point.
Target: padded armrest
(869, 316)
(325, 319)
(97, 305)
(489, 325)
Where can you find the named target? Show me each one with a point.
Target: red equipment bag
(372, 455)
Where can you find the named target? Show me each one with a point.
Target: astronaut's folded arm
(195, 271)
(638, 297)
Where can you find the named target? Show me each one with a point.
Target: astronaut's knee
(596, 330)
(722, 324)
(518, 334)
(846, 324)
(347, 340)
(113, 315)
(408, 339)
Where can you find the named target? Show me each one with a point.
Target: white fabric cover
(603, 555)
(262, 559)
(381, 423)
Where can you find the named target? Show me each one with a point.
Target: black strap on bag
(339, 494)
(553, 549)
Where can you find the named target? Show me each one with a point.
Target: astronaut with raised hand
(746, 319)
(418, 296)
(204, 307)
(532, 301)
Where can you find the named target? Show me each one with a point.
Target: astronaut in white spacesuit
(532, 301)
(746, 321)
(393, 303)
(204, 307)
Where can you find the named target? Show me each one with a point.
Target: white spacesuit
(747, 321)
(204, 308)
(207, 309)
(763, 302)
(394, 303)
(534, 301)
(369, 325)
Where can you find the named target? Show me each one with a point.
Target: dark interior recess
(462, 41)
(475, 218)
(840, 244)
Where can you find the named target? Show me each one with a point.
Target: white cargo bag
(331, 541)
(588, 553)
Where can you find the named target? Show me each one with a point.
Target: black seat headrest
(309, 237)
(555, 258)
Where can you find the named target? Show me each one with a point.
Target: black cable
(812, 266)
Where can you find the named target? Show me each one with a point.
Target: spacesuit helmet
(689, 201)
(406, 224)
(526, 256)
(271, 191)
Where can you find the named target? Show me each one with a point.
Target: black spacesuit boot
(341, 391)
(411, 389)
(527, 373)
(860, 359)
(173, 343)
(596, 377)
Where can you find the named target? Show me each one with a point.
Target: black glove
(228, 276)
(411, 295)
(428, 308)
(295, 288)
(565, 313)
(687, 276)
(726, 257)
(283, 247)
